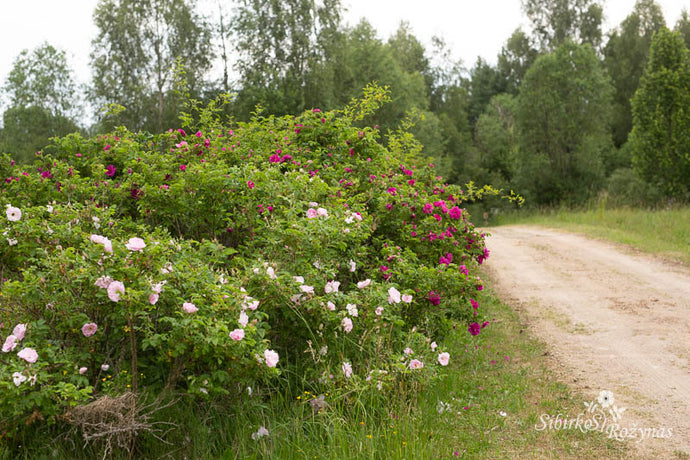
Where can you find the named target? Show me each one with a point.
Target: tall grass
(664, 232)
(486, 407)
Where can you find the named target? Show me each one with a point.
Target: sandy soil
(612, 320)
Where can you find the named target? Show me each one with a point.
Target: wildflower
(18, 378)
(12, 241)
(271, 358)
(331, 286)
(250, 184)
(352, 310)
(434, 298)
(19, 331)
(331, 306)
(49, 208)
(379, 311)
(393, 295)
(82, 370)
(353, 265)
(189, 307)
(110, 170)
(363, 284)
(474, 329)
(407, 298)
(135, 244)
(322, 212)
(10, 343)
(107, 244)
(237, 334)
(347, 369)
(443, 358)
(89, 329)
(446, 260)
(346, 324)
(428, 208)
(153, 298)
(105, 367)
(433, 346)
(28, 354)
(13, 214)
(298, 279)
(311, 213)
(408, 351)
(416, 364)
(260, 433)
(114, 289)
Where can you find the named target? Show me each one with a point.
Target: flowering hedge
(211, 260)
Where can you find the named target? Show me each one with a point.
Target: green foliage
(562, 119)
(625, 57)
(556, 22)
(516, 56)
(660, 141)
(496, 140)
(134, 55)
(304, 235)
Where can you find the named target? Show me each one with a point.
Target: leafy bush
(215, 260)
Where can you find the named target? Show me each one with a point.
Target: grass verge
(663, 232)
(486, 407)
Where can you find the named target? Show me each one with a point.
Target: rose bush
(210, 258)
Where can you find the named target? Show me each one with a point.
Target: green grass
(664, 232)
(502, 370)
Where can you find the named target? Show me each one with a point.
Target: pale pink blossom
(189, 307)
(261, 432)
(105, 367)
(271, 273)
(18, 378)
(331, 306)
(352, 310)
(407, 298)
(298, 279)
(433, 346)
(331, 286)
(322, 212)
(237, 334)
(244, 319)
(167, 269)
(271, 358)
(103, 282)
(307, 289)
(19, 331)
(416, 364)
(353, 265)
(115, 289)
(363, 284)
(135, 244)
(13, 214)
(250, 303)
(98, 239)
(82, 370)
(311, 213)
(408, 351)
(10, 343)
(32, 379)
(347, 369)
(443, 358)
(393, 295)
(379, 311)
(89, 329)
(346, 324)
(153, 298)
(28, 354)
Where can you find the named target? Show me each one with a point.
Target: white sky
(471, 28)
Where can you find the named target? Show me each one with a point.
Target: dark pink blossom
(474, 329)
(110, 170)
(446, 260)
(434, 298)
(455, 213)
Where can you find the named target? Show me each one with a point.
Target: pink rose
(189, 308)
(153, 298)
(82, 370)
(311, 213)
(115, 289)
(135, 244)
(271, 358)
(237, 334)
(393, 295)
(346, 324)
(416, 364)
(19, 331)
(89, 329)
(443, 359)
(28, 354)
(10, 343)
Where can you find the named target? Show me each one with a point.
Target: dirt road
(612, 320)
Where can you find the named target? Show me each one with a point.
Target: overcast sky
(471, 28)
